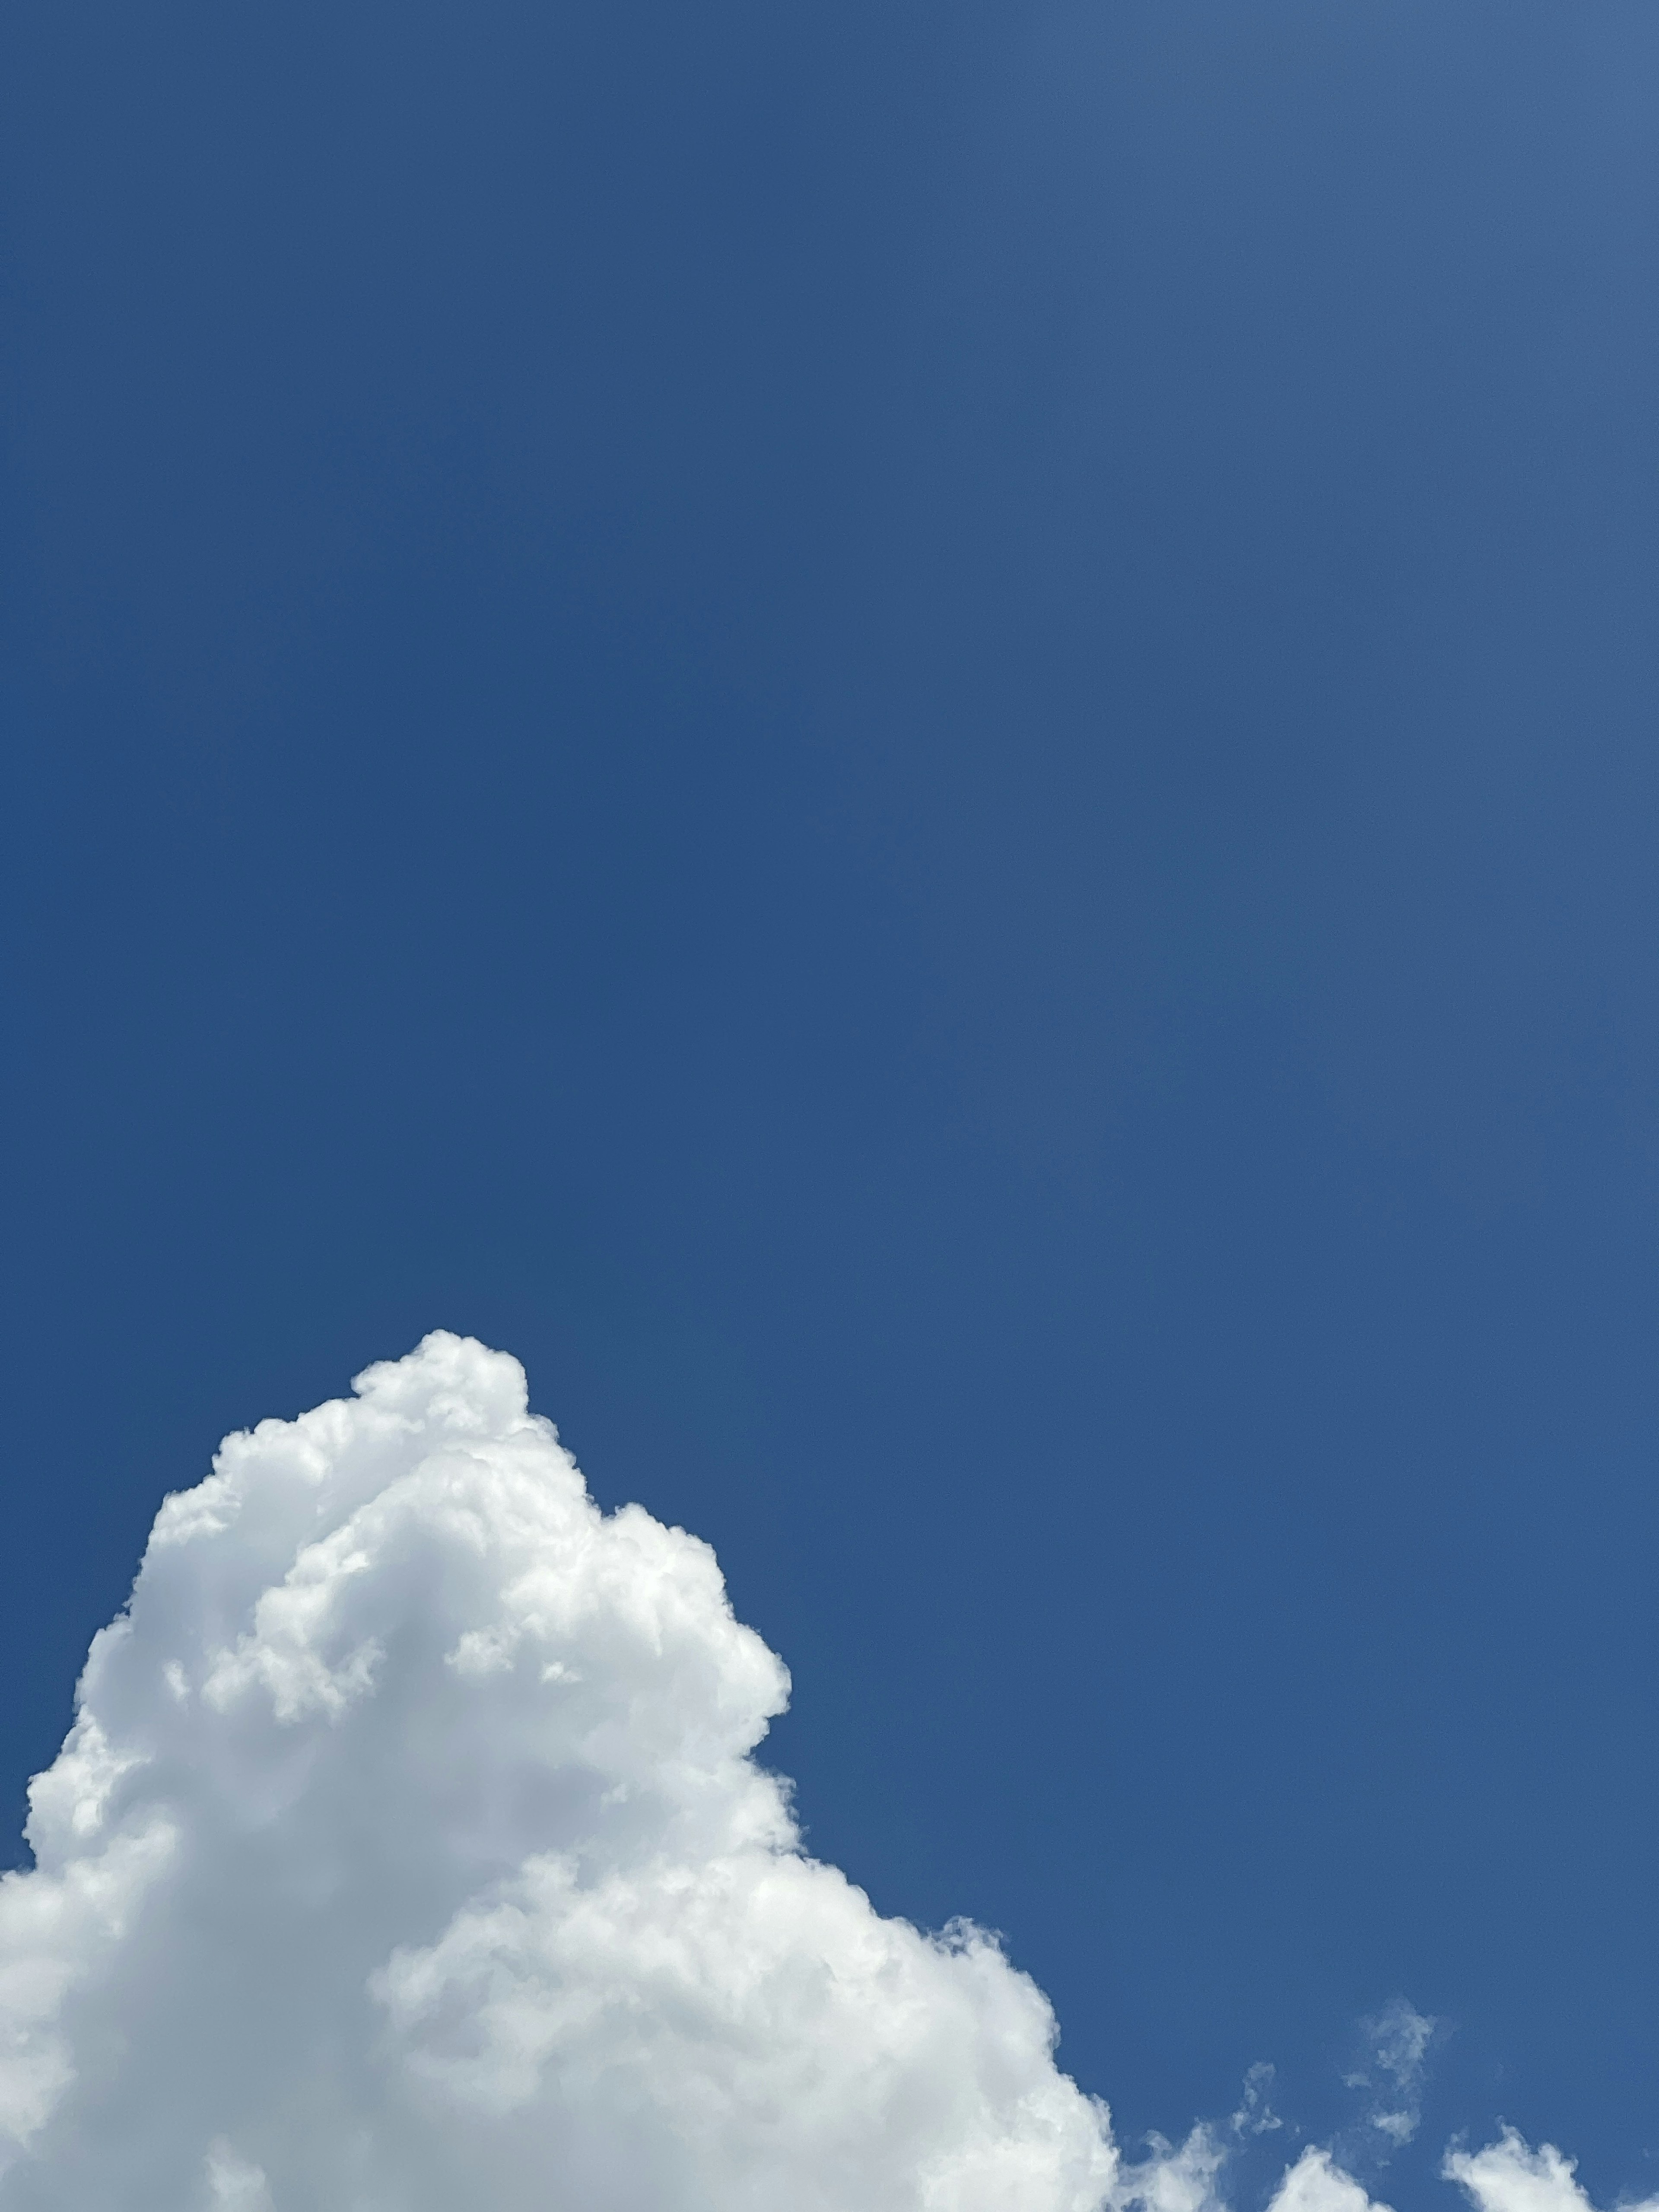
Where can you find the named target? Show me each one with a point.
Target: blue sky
(919, 741)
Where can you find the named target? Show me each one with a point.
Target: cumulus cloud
(1316, 2184)
(408, 1853)
(1509, 2176)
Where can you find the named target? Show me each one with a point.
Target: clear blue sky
(920, 740)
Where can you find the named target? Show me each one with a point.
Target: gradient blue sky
(920, 740)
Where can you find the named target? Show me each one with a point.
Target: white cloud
(1509, 2176)
(1174, 2178)
(1397, 2045)
(1315, 2184)
(408, 1853)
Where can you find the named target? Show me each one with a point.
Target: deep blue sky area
(920, 740)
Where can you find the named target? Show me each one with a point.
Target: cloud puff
(409, 1854)
(1316, 2184)
(1507, 2176)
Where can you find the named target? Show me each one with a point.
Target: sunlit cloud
(408, 1853)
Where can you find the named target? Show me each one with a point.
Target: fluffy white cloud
(1316, 2184)
(408, 1853)
(1509, 2176)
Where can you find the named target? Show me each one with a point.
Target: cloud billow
(408, 1853)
